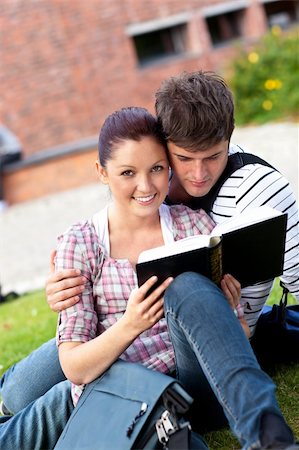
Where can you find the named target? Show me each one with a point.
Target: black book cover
(255, 253)
(252, 254)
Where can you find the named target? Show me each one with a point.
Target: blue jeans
(31, 378)
(214, 361)
(39, 425)
(210, 345)
(35, 390)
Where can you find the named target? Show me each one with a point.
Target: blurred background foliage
(264, 80)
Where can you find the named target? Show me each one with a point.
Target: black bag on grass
(276, 337)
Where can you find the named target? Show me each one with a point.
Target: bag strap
(284, 299)
(180, 440)
(284, 296)
(281, 309)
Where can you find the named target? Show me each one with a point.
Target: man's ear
(102, 173)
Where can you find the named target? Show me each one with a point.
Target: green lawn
(27, 322)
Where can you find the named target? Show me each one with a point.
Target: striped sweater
(255, 185)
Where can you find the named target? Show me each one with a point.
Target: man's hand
(232, 291)
(64, 287)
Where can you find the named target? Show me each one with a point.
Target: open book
(249, 246)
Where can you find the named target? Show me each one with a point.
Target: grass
(27, 322)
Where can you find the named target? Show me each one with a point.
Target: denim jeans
(214, 361)
(39, 425)
(210, 344)
(36, 424)
(31, 378)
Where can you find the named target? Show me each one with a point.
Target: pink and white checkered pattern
(108, 287)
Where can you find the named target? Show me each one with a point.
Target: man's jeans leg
(31, 377)
(204, 330)
(39, 425)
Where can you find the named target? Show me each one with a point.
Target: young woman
(191, 330)
(186, 327)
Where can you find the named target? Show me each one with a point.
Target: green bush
(264, 80)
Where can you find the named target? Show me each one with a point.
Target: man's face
(198, 171)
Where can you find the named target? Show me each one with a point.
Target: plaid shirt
(108, 287)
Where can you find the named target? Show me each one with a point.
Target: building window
(160, 44)
(225, 27)
(282, 13)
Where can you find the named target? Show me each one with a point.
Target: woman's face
(137, 175)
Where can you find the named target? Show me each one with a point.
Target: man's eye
(184, 158)
(157, 168)
(127, 173)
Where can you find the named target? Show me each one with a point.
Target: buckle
(165, 427)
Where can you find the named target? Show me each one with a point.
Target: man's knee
(188, 282)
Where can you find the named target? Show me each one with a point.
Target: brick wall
(66, 65)
(56, 175)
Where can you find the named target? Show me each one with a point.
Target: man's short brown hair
(196, 110)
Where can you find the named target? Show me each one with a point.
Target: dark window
(160, 44)
(282, 13)
(225, 27)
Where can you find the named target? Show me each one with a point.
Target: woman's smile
(145, 200)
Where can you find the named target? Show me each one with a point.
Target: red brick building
(66, 65)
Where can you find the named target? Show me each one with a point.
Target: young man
(197, 115)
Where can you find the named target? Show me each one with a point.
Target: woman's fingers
(157, 292)
(152, 304)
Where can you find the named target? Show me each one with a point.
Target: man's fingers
(52, 261)
(61, 305)
(71, 276)
(231, 289)
(66, 293)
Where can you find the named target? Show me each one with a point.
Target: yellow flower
(267, 105)
(253, 57)
(276, 30)
(270, 84)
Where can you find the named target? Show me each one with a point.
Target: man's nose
(198, 170)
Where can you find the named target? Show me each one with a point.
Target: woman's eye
(157, 168)
(127, 173)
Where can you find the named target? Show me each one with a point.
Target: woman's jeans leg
(39, 425)
(204, 330)
(31, 377)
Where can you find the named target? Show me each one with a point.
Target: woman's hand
(143, 310)
(64, 287)
(232, 291)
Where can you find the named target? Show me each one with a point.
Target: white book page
(249, 217)
(183, 245)
(242, 220)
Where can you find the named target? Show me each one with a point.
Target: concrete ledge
(53, 171)
(60, 151)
